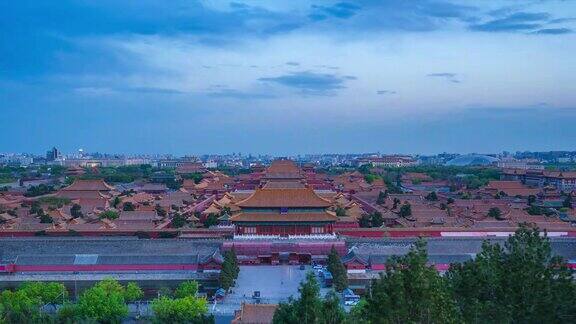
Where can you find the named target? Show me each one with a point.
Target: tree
(133, 292)
(365, 221)
(187, 289)
(180, 310)
(45, 219)
(405, 210)
(358, 313)
(396, 201)
(45, 293)
(411, 292)
(109, 214)
(567, 203)
(128, 206)
(495, 212)
(450, 201)
(211, 220)
(104, 302)
(178, 220)
(382, 195)
(340, 212)
(160, 211)
(520, 283)
(35, 208)
(338, 270)
(309, 304)
(116, 202)
(76, 211)
(376, 219)
(229, 271)
(432, 196)
(18, 307)
(309, 307)
(531, 199)
(332, 313)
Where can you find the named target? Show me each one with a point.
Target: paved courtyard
(275, 283)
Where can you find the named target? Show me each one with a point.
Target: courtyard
(275, 284)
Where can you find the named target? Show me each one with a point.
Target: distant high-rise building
(52, 154)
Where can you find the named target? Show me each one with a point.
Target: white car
(351, 302)
(317, 267)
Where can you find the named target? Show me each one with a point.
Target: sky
(287, 77)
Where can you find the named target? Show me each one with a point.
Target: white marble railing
(289, 237)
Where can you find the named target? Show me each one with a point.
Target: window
(317, 230)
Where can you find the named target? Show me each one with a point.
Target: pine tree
(228, 271)
(338, 270)
(411, 292)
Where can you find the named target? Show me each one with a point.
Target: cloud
(293, 63)
(237, 94)
(343, 10)
(553, 31)
(450, 77)
(311, 82)
(520, 21)
(533, 23)
(385, 92)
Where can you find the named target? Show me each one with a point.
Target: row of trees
(520, 282)
(105, 302)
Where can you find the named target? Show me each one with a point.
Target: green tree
(309, 307)
(432, 196)
(45, 293)
(520, 283)
(180, 310)
(76, 211)
(104, 302)
(358, 313)
(411, 292)
(178, 220)
(116, 202)
(109, 214)
(228, 273)
(332, 312)
(382, 195)
(365, 221)
(18, 307)
(133, 292)
(405, 210)
(376, 219)
(567, 203)
(211, 220)
(128, 206)
(495, 212)
(531, 199)
(338, 270)
(340, 212)
(46, 219)
(396, 201)
(187, 289)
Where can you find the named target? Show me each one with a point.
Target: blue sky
(286, 77)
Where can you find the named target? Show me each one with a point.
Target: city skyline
(305, 77)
